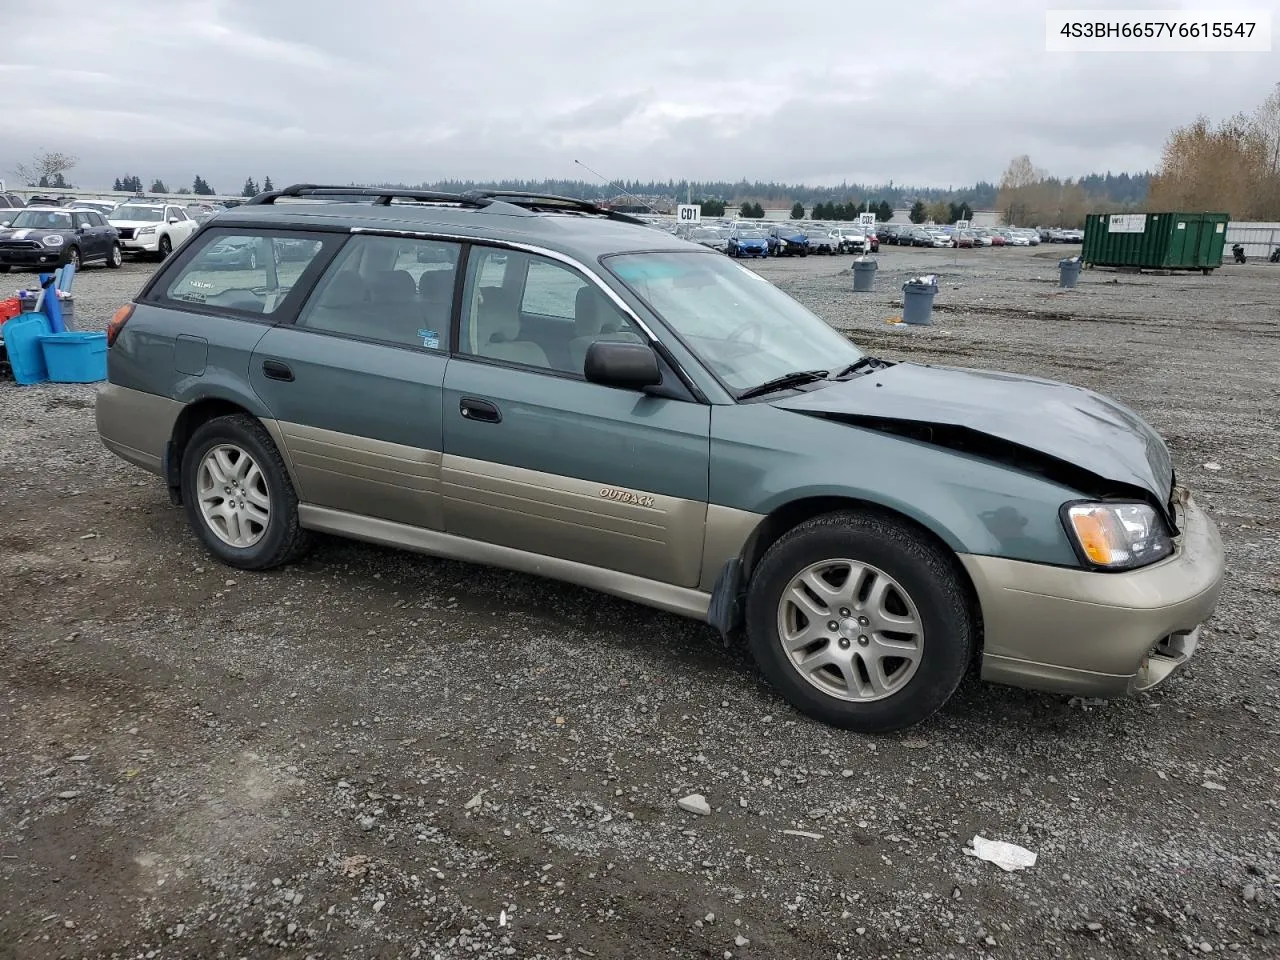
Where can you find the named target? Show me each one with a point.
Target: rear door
(355, 381)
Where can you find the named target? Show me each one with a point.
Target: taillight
(118, 320)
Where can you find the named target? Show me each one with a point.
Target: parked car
(822, 240)
(101, 206)
(788, 240)
(605, 405)
(748, 241)
(897, 234)
(50, 237)
(1014, 239)
(10, 202)
(200, 212)
(151, 228)
(981, 237)
(964, 238)
(939, 238)
(711, 237)
(920, 237)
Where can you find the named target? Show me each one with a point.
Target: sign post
(689, 213)
(961, 225)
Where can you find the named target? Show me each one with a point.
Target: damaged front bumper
(1099, 634)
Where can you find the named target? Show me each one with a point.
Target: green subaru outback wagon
(535, 383)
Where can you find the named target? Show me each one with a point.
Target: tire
(164, 248)
(923, 586)
(253, 259)
(116, 257)
(278, 540)
(72, 258)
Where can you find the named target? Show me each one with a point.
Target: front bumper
(33, 256)
(1099, 634)
(147, 244)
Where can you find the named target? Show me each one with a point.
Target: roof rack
(476, 199)
(378, 195)
(545, 202)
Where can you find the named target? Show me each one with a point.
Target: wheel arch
(786, 517)
(192, 417)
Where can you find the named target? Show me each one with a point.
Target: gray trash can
(864, 274)
(917, 301)
(1069, 272)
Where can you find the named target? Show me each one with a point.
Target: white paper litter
(803, 833)
(1006, 856)
(1211, 465)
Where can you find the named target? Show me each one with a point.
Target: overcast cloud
(920, 92)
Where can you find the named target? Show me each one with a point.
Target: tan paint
(364, 476)
(1077, 631)
(135, 425)
(727, 533)
(652, 593)
(576, 520)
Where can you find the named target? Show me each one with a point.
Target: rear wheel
(239, 499)
(861, 621)
(165, 247)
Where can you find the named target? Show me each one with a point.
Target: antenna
(616, 187)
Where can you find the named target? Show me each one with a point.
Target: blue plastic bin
(75, 356)
(22, 337)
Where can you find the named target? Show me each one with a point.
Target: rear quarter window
(244, 271)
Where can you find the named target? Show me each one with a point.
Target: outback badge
(625, 496)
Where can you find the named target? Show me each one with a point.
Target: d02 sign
(689, 213)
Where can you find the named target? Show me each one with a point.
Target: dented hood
(1069, 424)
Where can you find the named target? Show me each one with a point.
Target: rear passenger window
(252, 273)
(389, 289)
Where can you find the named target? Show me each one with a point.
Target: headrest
(394, 286)
(345, 290)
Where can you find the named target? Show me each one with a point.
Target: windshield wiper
(794, 379)
(862, 363)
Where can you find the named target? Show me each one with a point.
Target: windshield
(751, 234)
(41, 220)
(153, 214)
(742, 327)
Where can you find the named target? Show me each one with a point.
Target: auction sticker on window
(1158, 31)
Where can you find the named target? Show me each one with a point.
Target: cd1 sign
(689, 213)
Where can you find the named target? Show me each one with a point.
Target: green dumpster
(1155, 241)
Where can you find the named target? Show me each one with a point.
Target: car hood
(1073, 426)
(31, 233)
(134, 223)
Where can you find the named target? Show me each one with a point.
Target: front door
(355, 382)
(537, 458)
(91, 238)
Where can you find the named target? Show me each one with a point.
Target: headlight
(145, 231)
(1118, 536)
(52, 240)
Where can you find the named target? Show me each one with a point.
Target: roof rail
(476, 199)
(545, 202)
(381, 196)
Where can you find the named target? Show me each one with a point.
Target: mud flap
(725, 610)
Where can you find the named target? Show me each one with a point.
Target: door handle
(481, 410)
(275, 370)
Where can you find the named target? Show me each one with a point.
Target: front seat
(343, 306)
(496, 324)
(594, 318)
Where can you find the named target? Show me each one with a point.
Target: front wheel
(116, 257)
(73, 258)
(239, 499)
(861, 621)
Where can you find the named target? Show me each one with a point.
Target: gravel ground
(376, 754)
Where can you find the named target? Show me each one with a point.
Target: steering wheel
(751, 332)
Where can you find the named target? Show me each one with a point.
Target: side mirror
(628, 366)
(173, 219)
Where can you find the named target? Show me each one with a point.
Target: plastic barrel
(864, 275)
(1069, 272)
(917, 302)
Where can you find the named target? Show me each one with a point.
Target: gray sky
(925, 92)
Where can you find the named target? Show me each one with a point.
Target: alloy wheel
(233, 497)
(850, 630)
